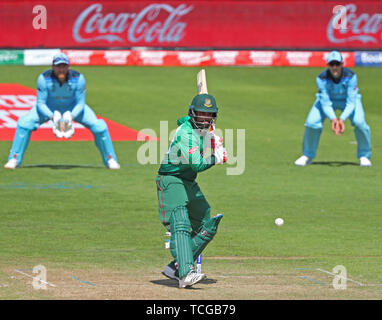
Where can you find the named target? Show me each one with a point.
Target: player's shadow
(175, 284)
(335, 163)
(61, 166)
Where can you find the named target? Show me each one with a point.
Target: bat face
(201, 82)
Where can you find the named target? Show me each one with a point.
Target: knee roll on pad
(205, 235)
(210, 228)
(179, 217)
(179, 221)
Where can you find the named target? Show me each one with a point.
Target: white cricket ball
(279, 222)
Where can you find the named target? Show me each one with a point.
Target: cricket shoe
(364, 162)
(170, 271)
(190, 279)
(112, 164)
(303, 161)
(11, 164)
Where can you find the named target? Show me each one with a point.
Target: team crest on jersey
(208, 103)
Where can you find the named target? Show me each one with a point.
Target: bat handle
(213, 144)
(212, 131)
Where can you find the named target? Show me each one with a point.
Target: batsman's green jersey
(176, 185)
(184, 158)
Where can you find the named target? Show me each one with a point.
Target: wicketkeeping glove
(57, 124)
(68, 127)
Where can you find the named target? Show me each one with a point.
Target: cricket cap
(204, 103)
(60, 58)
(334, 56)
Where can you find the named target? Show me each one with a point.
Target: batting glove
(216, 141)
(220, 154)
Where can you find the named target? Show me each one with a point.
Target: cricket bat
(201, 81)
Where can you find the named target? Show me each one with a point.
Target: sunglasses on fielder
(334, 63)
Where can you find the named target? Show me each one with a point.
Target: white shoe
(169, 272)
(303, 161)
(190, 279)
(364, 162)
(11, 164)
(112, 164)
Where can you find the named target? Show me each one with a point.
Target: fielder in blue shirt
(61, 89)
(337, 89)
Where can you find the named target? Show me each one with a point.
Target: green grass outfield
(108, 220)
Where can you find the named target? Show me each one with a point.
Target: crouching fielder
(337, 89)
(183, 209)
(61, 91)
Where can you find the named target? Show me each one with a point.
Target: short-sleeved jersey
(337, 94)
(184, 158)
(51, 95)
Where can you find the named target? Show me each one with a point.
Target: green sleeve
(191, 148)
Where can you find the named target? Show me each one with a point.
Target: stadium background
(192, 33)
(97, 232)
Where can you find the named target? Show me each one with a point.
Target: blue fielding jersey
(51, 95)
(337, 94)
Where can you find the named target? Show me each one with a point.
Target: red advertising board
(204, 58)
(191, 24)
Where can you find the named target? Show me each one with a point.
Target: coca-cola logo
(363, 27)
(155, 22)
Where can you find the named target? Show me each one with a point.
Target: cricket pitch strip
(289, 283)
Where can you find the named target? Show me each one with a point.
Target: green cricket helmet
(203, 103)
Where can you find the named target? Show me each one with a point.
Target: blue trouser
(314, 125)
(33, 119)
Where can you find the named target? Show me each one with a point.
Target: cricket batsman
(337, 89)
(61, 98)
(181, 204)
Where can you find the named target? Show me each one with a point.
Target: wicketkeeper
(183, 209)
(337, 89)
(61, 98)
